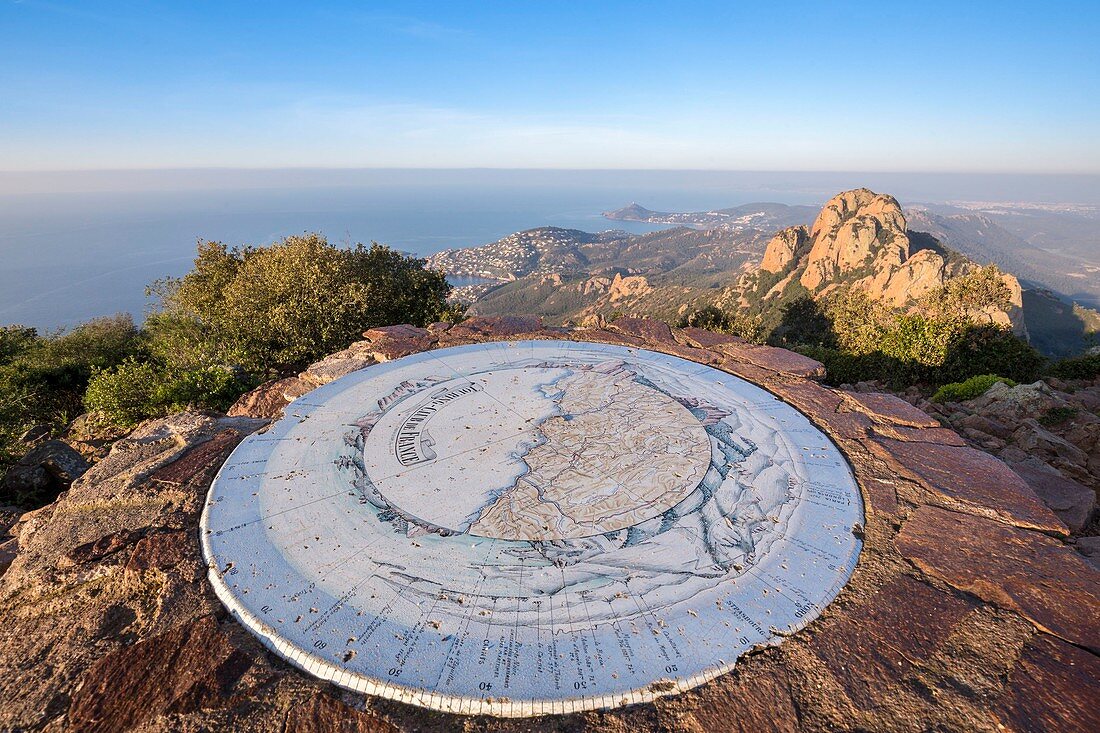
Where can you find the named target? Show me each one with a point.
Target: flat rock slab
(1037, 576)
(865, 650)
(1072, 502)
(191, 664)
(971, 480)
(890, 408)
(1053, 688)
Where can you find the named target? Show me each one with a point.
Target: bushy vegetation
(278, 308)
(137, 389)
(49, 372)
(241, 316)
(43, 377)
(1081, 367)
(743, 325)
(967, 390)
(246, 314)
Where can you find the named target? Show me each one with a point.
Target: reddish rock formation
(968, 611)
(1048, 432)
(785, 248)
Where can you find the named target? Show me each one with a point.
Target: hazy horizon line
(914, 185)
(688, 169)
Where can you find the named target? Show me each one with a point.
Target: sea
(78, 245)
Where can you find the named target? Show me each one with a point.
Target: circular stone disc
(531, 527)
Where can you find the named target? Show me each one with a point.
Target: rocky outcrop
(917, 276)
(860, 240)
(785, 248)
(1047, 432)
(623, 288)
(969, 609)
(857, 232)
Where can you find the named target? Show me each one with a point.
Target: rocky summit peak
(110, 622)
(856, 231)
(859, 202)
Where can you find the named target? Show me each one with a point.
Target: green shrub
(124, 394)
(845, 367)
(135, 390)
(15, 340)
(973, 387)
(42, 378)
(276, 309)
(1080, 367)
(212, 388)
(743, 325)
(64, 362)
(976, 350)
(803, 321)
(1057, 415)
(16, 416)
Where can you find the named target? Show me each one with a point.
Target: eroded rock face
(966, 612)
(916, 277)
(856, 230)
(785, 248)
(632, 286)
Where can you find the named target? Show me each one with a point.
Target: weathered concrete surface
(968, 610)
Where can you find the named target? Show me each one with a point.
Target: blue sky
(915, 86)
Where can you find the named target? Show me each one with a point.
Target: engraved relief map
(531, 527)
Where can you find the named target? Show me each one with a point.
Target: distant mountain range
(572, 276)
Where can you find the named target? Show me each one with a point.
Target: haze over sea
(84, 244)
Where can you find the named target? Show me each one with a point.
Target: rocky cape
(970, 608)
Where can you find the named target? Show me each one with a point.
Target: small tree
(738, 323)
